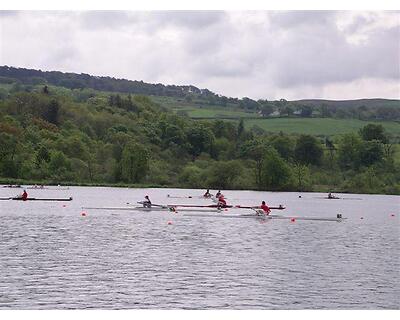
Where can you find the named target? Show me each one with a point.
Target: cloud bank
(258, 54)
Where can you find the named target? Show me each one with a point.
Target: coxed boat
(38, 199)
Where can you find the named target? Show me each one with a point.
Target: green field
(317, 126)
(217, 113)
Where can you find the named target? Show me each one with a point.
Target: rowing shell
(38, 199)
(263, 217)
(280, 207)
(145, 209)
(48, 188)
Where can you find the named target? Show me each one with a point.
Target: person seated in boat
(265, 208)
(221, 202)
(207, 194)
(331, 196)
(23, 196)
(218, 194)
(146, 203)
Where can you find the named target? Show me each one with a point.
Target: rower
(24, 195)
(207, 194)
(221, 202)
(265, 208)
(218, 194)
(146, 203)
(330, 196)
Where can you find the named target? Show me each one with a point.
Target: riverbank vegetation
(54, 134)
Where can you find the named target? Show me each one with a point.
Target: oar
(198, 206)
(9, 198)
(155, 205)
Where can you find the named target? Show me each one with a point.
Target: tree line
(50, 136)
(374, 109)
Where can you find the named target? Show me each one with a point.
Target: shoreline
(24, 183)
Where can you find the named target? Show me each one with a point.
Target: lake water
(52, 257)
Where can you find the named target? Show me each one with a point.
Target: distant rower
(207, 194)
(24, 195)
(218, 194)
(146, 203)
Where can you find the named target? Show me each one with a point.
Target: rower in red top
(24, 196)
(266, 209)
(221, 201)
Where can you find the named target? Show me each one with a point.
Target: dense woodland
(60, 135)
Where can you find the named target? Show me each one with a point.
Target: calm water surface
(51, 257)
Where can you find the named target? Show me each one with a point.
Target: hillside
(192, 97)
(55, 134)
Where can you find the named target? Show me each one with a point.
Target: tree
(306, 111)
(308, 150)
(373, 132)
(42, 155)
(254, 150)
(200, 138)
(134, 162)
(266, 110)
(174, 134)
(371, 152)
(349, 151)
(59, 164)
(275, 172)
(284, 145)
(223, 174)
(51, 113)
(287, 110)
(192, 177)
(331, 148)
(301, 174)
(240, 129)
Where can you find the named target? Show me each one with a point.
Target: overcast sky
(257, 54)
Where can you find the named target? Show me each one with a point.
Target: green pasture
(318, 126)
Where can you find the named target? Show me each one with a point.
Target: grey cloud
(232, 53)
(8, 13)
(106, 19)
(320, 55)
(295, 19)
(189, 19)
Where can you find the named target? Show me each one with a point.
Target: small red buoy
(83, 214)
(169, 222)
(292, 220)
